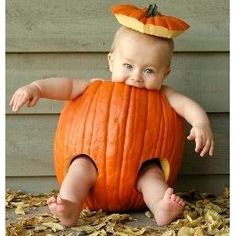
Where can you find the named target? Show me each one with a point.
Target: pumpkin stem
(152, 10)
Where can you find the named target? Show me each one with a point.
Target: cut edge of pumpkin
(135, 24)
(165, 167)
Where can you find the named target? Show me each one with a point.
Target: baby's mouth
(135, 83)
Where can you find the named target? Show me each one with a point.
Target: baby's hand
(27, 95)
(202, 134)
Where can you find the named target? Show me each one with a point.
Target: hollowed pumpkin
(119, 127)
(149, 21)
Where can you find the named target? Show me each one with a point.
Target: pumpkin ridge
(173, 24)
(162, 131)
(133, 94)
(104, 178)
(180, 23)
(107, 129)
(169, 118)
(139, 157)
(149, 106)
(94, 94)
(93, 103)
(84, 113)
(143, 142)
(160, 22)
(63, 131)
(135, 14)
(157, 108)
(167, 23)
(171, 141)
(168, 144)
(136, 130)
(124, 142)
(120, 8)
(120, 163)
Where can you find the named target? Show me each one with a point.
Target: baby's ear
(110, 61)
(168, 70)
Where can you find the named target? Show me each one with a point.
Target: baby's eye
(128, 66)
(149, 71)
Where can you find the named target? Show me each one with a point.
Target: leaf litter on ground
(204, 215)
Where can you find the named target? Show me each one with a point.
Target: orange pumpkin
(119, 127)
(149, 21)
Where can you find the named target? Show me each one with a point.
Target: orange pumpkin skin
(119, 127)
(155, 23)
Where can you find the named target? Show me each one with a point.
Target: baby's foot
(168, 208)
(68, 212)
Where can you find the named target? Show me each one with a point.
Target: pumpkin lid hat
(149, 20)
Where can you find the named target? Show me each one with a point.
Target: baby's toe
(168, 193)
(60, 201)
(182, 202)
(173, 197)
(51, 200)
(178, 199)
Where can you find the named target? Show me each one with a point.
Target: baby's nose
(137, 77)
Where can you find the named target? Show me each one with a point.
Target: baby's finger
(14, 98)
(206, 148)
(16, 107)
(198, 146)
(16, 101)
(211, 152)
(191, 135)
(33, 102)
(21, 101)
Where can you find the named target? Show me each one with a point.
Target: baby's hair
(125, 31)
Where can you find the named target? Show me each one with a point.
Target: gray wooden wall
(48, 38)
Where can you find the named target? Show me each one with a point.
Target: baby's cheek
(152, 86)
(118, 78)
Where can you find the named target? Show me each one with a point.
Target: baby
(139, 60)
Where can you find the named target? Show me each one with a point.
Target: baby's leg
(157, 195)
(80, 178)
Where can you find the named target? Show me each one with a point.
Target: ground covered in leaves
(205, 214)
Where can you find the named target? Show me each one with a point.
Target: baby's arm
(52, 88)
(195, 115)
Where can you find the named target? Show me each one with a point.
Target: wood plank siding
(72, 38)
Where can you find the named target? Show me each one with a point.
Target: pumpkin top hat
(149, 20)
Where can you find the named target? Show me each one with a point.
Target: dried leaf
(83, 228)
(39, 228)
(185, 231)
(199, 231)
(225, 194)
(212, 217)
(169, 233)
(54, 226)
(19, 210)
(214, 207)
(148, 214)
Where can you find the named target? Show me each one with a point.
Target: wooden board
(29, 147)
(201, 76)
(88, 26)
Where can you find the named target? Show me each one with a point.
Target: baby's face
(139, 61)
